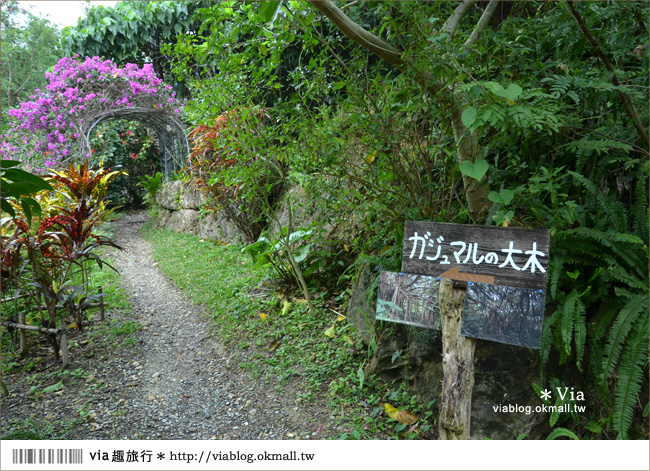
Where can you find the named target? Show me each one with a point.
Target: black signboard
(487, 254)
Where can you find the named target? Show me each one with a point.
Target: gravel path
(177, 382)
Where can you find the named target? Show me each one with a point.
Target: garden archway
(172, 141)
(55, 127)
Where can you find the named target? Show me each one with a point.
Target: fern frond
(555, 270)
(640, 215)
(631, 311)
(566, 326)
(621, 244)
(547, 336)
(562, 432)
(587, 184)
(580, 330)
(630, 377)
(616, 216)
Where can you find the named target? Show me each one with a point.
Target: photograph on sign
(504, 314)
(408, 299)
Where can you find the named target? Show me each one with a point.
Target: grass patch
(278, 340)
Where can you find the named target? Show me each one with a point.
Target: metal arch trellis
(172, 141)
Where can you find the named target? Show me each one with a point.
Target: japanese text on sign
(490, 257)
(508, 256)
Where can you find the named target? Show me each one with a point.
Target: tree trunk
(466, 143)
(467, 148)
(457, 365)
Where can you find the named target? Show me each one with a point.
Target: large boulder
(215, 226)
(185, 221)
(335, 231)
(191, 198)
(169, 195)
(162, 218)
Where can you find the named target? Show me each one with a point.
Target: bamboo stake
(64, 349)
(23, 340)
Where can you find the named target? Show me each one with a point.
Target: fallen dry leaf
(402, 416)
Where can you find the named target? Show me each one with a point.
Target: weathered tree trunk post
(457, 366)
(101, 303)
(64, 347)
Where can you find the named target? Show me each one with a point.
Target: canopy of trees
(29, 46)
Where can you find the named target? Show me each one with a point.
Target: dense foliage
(531, 114)
(132, 31)
(550, 126)
(46, 254)
(29, 46)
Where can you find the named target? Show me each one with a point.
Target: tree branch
(627, 103)
(451, 25)
(482, 23)
(356, 33)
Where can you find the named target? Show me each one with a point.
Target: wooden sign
(485, 254)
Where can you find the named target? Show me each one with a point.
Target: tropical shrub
(46, 264)
(229, 161)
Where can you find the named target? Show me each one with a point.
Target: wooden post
(101, 303)
(64, 348)
(23, 340)
(457, 365)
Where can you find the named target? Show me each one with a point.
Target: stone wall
(179, 212)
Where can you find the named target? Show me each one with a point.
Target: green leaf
(286, 307)
(495, 197)
(513, 91)
(593, 427)
(562, 432)
(469, 116)
(331, 332)
(7, 208)
(395, 356)
(361, 377)
(30, 207)
(24, 183)
(507, 196)
(301, 253)
(476, 169)
(9, 163)
(268, 9)
(53, 388)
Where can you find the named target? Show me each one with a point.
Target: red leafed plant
(224, 156)
(48, 262)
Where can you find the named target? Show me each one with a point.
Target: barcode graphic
(48, 456)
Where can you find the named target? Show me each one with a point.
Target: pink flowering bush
(49, 130)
